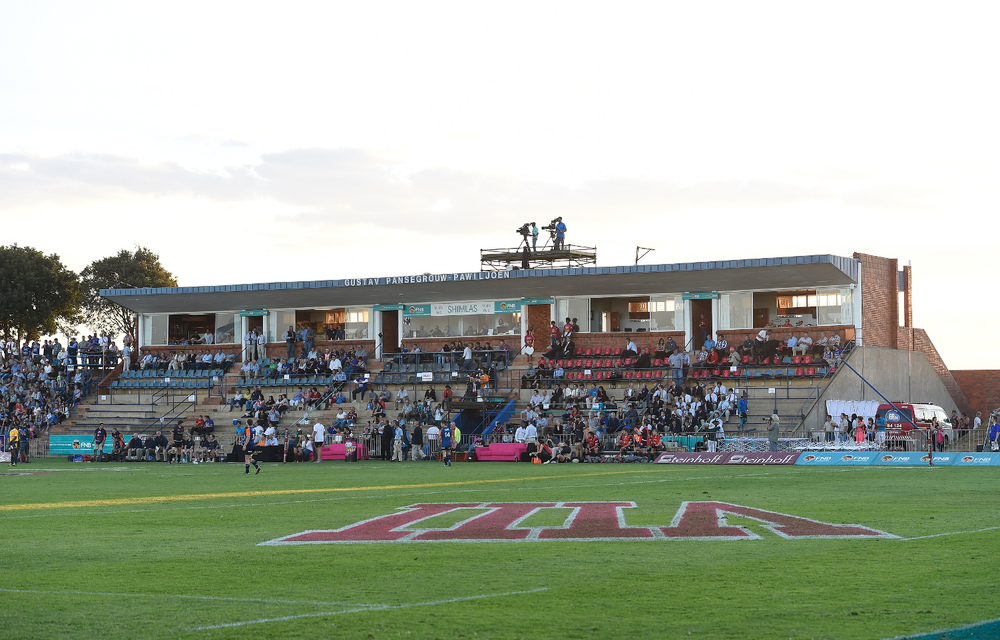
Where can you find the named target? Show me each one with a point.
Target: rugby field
(494, 550)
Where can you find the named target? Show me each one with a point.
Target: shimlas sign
(511, 522)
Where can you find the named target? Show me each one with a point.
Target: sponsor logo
(511, 522)
(847, 458)
(887, 458)
(809, 458)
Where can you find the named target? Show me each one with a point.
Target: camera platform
(545, 258)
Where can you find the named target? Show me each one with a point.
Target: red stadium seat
(745, 359)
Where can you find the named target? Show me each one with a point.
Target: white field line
(170, 595)
(364, 608)
(949, 533)
(73, 511)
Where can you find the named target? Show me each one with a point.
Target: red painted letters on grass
(510, 522)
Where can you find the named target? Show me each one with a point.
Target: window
(736, 311)
(666, 313)
(357, 323)
(835, 306)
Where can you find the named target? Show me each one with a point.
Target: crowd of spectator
(40, 383)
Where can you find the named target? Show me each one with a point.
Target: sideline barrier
(61, 445)
(898, 458)
(914, 458)
(784, 457)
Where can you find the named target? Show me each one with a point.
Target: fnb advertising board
(976, 460)
(78, 445)
(837, 458)
(914, 458)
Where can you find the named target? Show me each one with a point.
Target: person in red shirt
(567, 329)
(554, 334)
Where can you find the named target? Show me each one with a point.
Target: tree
(37, 293)
(124, 270)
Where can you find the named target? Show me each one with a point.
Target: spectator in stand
(791, 343)
(709, 344)
(804, 346)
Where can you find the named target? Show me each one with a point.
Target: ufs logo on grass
(512, 522)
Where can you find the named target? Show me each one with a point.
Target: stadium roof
(797, 272)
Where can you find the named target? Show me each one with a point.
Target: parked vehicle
(921, 413)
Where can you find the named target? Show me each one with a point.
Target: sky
(256, 142)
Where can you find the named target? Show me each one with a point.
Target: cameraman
(560, 241)
(534, 237)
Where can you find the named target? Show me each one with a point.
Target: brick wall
(981, 388)
(879, 300)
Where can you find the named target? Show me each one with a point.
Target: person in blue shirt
(741, 411)
(560, 242)
(534, 237)
(994, 443)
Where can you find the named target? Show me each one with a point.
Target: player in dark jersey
(177, 448)
(447, 442)
(249, 446)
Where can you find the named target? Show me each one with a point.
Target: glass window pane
(834, 306)
(225, 327)
(661, 313)
(736, 311)
(357, 323)
(158, 329)
(278, 324)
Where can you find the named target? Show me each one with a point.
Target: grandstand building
(864, 299)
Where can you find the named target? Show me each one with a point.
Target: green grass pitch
(166, 551)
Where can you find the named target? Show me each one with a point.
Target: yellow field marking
(111, 502)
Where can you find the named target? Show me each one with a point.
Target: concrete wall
(899, 375)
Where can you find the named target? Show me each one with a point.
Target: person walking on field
(318, 437)
(447, 442)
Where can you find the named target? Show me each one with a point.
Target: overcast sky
(251, 142)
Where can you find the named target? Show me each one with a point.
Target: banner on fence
(62, 445)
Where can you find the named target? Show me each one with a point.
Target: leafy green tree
(38, 294)
(124, 270)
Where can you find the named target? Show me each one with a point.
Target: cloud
(337, 188)
(85, 177)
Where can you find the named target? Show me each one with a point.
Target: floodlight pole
(645, 252)
(930, 441)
